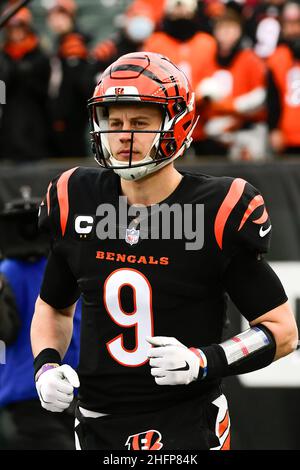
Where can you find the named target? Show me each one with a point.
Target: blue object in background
(17, 375)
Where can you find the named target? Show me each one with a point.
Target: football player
(152, 357)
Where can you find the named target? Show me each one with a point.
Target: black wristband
(46, 356)
(217, 365)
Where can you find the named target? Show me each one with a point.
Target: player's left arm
(269, 337)
(259, 295)
(281, 322)
(253, 287)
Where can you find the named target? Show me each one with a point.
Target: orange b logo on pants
(148, 440)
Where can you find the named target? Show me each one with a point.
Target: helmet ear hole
(178, 107)
(171, 146)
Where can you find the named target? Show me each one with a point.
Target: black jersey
(133, 286)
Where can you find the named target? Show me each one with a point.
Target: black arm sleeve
(273, 102)
(59, 288)
(253, 286)
(217, 365)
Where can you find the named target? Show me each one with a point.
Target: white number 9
(141, 318)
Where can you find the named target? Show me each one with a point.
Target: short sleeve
(54, 209)
(242, 222)
(253, 286)
(49, 211)
(253, 225)
(59, 287)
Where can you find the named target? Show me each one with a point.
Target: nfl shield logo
(132, 236)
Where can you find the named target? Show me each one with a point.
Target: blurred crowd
(242, 58)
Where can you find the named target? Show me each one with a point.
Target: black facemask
(181, 29)
(294, 46)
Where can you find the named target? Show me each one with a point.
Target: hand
(55, 387)
(218, 127)
(209, 88)
(171, 362)
(105, 50)
(73, 46)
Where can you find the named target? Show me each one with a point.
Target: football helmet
(146, 78)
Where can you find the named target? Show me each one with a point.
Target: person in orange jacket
(136, 25)
(182, 41)
(71, 82)
(232, 95)
(25, 70)
(154, 9)
(284, 85)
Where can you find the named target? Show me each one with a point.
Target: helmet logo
(119, 91)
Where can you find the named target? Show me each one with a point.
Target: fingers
(157, 352)
(57, 406)
(71, 375)
(166, 352)
(156, 362)
(49, 407)
(58, 385)
(162, 340)
(53, 395)
(63, 398)
(55, 388)
(168, 362)
(162, 377)
(158, 372)
(63, 386)
(162, 381)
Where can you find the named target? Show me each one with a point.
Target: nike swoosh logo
(262, 232)
(186, 367)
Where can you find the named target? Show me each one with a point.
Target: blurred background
(243, 60)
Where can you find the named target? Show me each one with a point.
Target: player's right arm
(51, 333)
(51, 327)
(52, 324)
